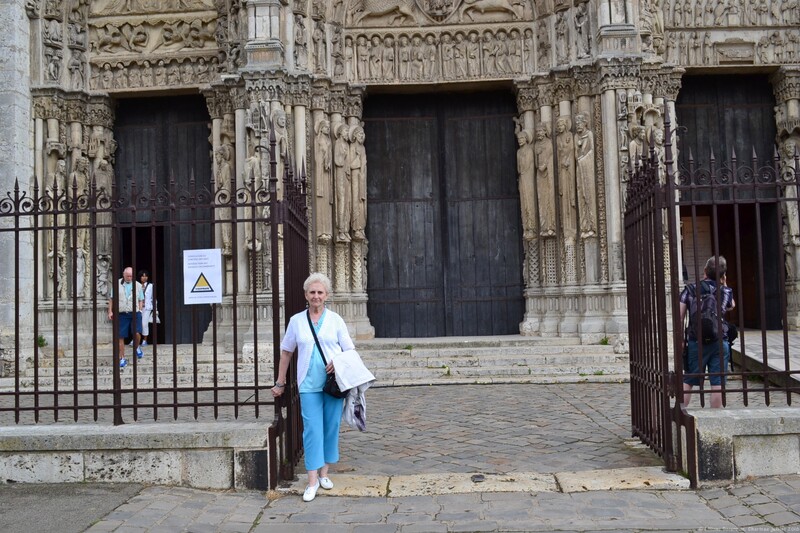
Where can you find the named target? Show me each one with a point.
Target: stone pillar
(340, 131)
(239, 104)
(321, 182)
(358, 177)
(16, 158)
(786, 86)
(527, 102)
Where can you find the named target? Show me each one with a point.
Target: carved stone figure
(562, 39)
(566, 177)
(104, 178)
(527, 194)
(341, 154)
(473, 55)
(300, 42)
(358, 182)
(160, 73)
(527, 49)
(404, 57)
(362, 57)
(320, 47)
(147, 74)
(514, 52)
(489, 48)
(469, 8)
(417, 58)
(585, 176)
(57, 251)
(134, 75)
(375, 57)
(543, 45)
(396, 10)
(323, 171)
(173, 73)
(430, 57)
(222, 156)
(253, 180)
(79, 185)
(53, 56)
(187, 72)
(76, 70)
(543, 149)
(460, 56)
(387, 58)
(637, 148)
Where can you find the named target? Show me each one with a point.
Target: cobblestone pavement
(494, 429)
(457, 429)
(766, 504)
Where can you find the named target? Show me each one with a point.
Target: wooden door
(444, 223)
(166, 139)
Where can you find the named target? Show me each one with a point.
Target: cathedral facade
(467, 159)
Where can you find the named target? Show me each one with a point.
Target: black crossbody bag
(330, 387)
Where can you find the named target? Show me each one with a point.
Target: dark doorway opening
(164, 155)
(444, 223)
(723, 115)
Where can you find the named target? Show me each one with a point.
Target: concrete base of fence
(200, 455)
(734, 444)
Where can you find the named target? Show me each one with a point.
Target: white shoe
(326, 483)
(311, 492)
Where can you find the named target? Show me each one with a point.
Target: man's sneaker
(139, 353)
(123, 363)
(144, 343)
(130, 343)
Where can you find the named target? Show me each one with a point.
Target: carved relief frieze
(618, 73)
(730, 13)
(159, 74)
(370, 13)
(705, 47)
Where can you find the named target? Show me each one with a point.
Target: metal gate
(750, 213)
(65, 239)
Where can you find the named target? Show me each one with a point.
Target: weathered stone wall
(16, 159)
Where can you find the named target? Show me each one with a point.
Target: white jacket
(353, 375)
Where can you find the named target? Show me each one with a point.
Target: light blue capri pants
(322, 415)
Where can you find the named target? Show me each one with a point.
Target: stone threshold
(384, 486)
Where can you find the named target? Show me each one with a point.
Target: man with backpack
(707, 332)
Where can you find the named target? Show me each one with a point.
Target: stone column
(358, 177)
(239, 103)
(321, 181)
(786, 86)
(340, 132)
(527, 102)
(16, 159)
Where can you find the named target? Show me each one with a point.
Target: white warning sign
(202, 276)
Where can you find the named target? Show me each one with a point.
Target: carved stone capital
(212, 103)
(618, 73)
(337, 99)
(585, 78)
(547, 94)
(266, 89)
(48, 104)
(320, 96)
(299, 91)
(100, 112)
(786, 84)
(563, 88)
(669, 83)
(354, 103)
(527, 98)
(235, 97)
(75, 110)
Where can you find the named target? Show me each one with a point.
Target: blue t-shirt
(316, 376)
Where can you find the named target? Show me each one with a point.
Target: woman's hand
(329, 367)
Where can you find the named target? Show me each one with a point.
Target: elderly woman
(321, 412)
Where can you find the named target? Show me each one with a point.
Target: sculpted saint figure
(636, 148)
(585, 175)
(57, 251)
(527, 197)
(341, 154)
(79, 185)
(252, 182)
(323, 160)
(460, 56)
(375, 57)
(387, 58)
(566, 175)
(404, 57)
(358, 182)
(224, 173)
(543, 149)
(473, 55)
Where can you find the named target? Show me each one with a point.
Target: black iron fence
(70, 239)
(675, 220)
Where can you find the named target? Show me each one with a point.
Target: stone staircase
(395, 362)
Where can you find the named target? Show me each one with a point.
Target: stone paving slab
(652, 478)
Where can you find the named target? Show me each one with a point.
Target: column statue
(543, 148)
(222, 155)
(358, 182)
(82, 245)
(56, 244)
(323, 159)
(585, 176)
(566, 175)
(527, 195)
(341, 154)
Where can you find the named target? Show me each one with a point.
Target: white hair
(318, 277)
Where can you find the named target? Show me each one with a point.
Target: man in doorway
(130, 313)
(714, 286)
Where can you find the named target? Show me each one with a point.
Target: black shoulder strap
(313, 332)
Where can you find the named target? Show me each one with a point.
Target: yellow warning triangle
(202, 284)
